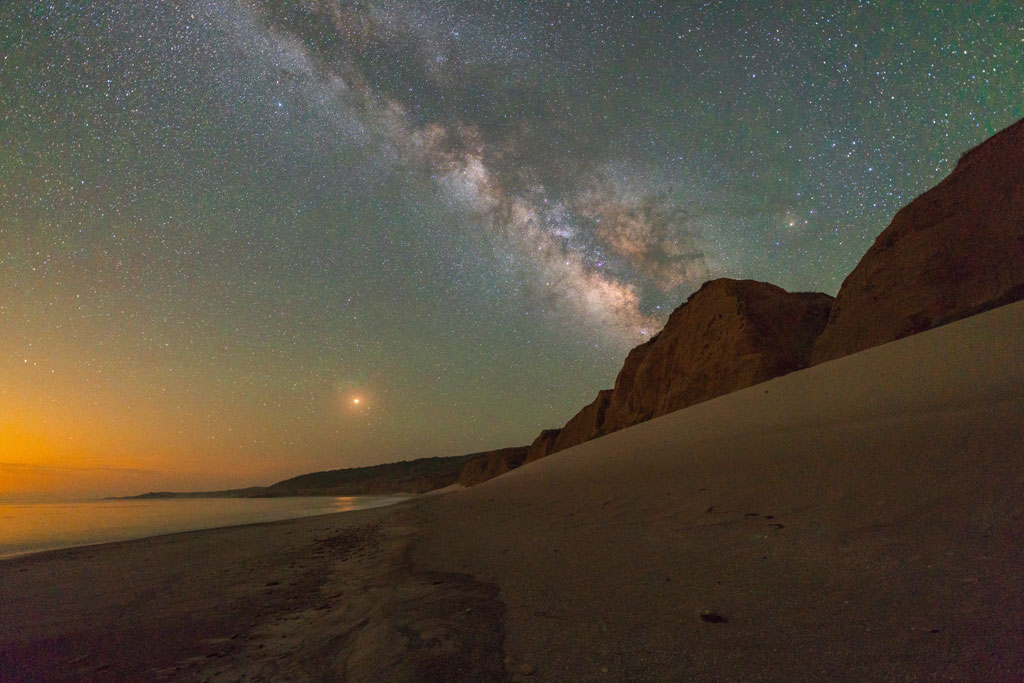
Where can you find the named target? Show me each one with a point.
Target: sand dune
(858, 520)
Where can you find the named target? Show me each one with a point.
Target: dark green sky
(220, 220)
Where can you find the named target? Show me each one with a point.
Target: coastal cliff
(955, 251)
(728, 335)
(483, 466)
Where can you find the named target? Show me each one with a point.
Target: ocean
(34, 527)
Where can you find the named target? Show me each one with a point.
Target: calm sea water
(32, 527)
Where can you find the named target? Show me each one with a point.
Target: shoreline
(250, 600)
(143, 534)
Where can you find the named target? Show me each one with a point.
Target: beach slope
(858, 520)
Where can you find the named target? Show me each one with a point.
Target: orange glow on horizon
(80, 453)
(40, 458)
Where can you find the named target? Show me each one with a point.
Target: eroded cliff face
(584, 425)
(956, 250)
(729, 335)
(483, 466)
(543, 445)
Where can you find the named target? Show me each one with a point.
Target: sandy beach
(858, 520)
(320, 598)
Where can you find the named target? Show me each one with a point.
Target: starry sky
(223, 221)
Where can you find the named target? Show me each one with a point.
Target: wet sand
(860, 520)
(320, 598)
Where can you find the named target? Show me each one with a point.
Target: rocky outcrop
(729, 335)
(584, 425)
(543, 445)
(483, 466)
(956, 250)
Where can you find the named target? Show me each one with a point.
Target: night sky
(223, 221)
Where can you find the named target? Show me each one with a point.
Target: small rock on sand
(713, 617)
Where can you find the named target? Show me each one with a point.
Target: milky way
(222, 218)
(558, 236)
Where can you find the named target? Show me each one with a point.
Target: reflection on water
(32, 527)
